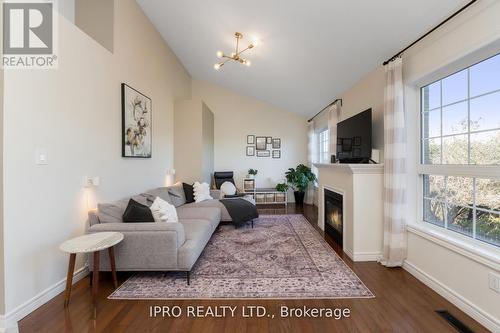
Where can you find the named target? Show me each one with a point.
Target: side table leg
(111, 253)
(69, 278)
(95, 276)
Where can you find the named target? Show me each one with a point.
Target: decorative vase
(299, 197)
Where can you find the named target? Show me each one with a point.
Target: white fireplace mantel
(362, 188)
(354, 168)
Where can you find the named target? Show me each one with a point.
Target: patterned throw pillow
(201, 192)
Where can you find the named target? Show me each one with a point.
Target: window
(460, 151)
(324, 143)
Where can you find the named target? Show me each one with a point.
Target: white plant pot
(250, 176)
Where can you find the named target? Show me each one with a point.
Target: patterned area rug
(283, 257)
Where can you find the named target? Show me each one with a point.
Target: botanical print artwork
(136, 123)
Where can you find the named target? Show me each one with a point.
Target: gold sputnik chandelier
(236, 55)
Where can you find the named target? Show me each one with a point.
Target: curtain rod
(323, 109)
(429, 32)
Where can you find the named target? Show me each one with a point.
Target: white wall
(194, 141)
(237, 116)
(366, 93)
(75, 113)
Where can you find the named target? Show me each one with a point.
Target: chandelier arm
(248, 48)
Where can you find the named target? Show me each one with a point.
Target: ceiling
(310, 51)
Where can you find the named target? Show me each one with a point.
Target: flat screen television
(354, 138)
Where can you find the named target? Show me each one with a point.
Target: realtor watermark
(248, 311)
(29, 34)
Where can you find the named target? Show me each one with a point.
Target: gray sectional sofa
(159, 246)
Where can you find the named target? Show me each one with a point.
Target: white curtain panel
(333, 119)
(312, 156)
(394, 251)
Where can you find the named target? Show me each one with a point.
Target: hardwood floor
(401, 304)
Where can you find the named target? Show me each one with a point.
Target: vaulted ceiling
(310, 51)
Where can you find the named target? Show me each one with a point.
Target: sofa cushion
(197, 233)
(163, 211)
(211, 214)
(113, 212)
(160, 192)
(201, 192)
(176, 193)
(210, 203)
(188, 192)
(136, 212)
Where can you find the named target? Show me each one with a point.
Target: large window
(324, 143)
(460, 141)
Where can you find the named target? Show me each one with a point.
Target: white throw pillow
(201, 192)
(228, 188)
(163, 211)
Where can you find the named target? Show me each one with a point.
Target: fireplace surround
(334, 215)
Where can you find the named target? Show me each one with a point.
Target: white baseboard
(481, 316)
(349, 254)
(363, 256)
(8, 322)
(367, 256)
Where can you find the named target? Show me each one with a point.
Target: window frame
(320, 145)
(457, 170)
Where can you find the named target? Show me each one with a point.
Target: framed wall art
(260, 143)
(250, 151)
(263, 153)
(137, 123)
(276, 143)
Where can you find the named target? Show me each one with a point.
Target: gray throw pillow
(160, 192)
(177, 196)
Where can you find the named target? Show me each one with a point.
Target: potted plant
(252, 173)
(282, 187)
(299, 178)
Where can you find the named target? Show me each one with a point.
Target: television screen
(354, 138)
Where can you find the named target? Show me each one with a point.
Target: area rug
(282, 257)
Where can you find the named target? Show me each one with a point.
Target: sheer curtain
(394, 251)
(333, 119)
(312, 157)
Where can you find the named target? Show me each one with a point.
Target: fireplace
(334, 221)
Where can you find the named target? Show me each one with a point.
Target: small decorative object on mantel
(276, 153)
(250, 151)
(269, 140)
(137, 123)
(252, 173)
(250, 139)
(276, 143)
(263, 153)
(260, 143)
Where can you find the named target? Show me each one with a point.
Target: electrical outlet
(494, 282)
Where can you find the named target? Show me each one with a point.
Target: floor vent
(453, 321)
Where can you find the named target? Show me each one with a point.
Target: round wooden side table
(86, 244)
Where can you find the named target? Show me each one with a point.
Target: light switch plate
(41, 156)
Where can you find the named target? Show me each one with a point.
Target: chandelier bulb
(220, 54)
(247, 62)
(217, 66)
